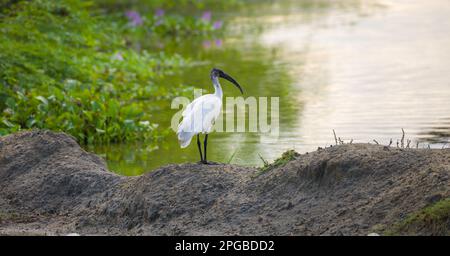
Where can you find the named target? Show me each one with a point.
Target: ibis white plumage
(201, 114)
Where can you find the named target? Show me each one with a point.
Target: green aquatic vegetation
(159, 24)
(285, 158)
(434, 219)
(68, 66)
(172, 5)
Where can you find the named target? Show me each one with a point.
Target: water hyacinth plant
(217, 24)
(135, 18)
(159, 12)
(73, 69)
(206, 16)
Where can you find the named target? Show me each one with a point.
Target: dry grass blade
(335, 137)
(403, 139)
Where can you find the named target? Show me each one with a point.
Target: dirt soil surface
(51, 186)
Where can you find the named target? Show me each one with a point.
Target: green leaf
(8, 123)
(11, 103)
(42, 99)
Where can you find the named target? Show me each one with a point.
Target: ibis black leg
(205, 144)
(199, 148)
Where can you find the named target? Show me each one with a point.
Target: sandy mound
(49, 185)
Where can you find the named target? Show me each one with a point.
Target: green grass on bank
(432, 220)
(285, 158)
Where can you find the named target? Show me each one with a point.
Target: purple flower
(206, 16)
(159, 12)
(217, 24)
(118, 56)
(218, 42)
(134, 18)
(206, 44)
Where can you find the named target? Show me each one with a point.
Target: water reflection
(367, 79)
(438, 134)
(364, 68)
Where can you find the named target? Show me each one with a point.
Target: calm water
(364, 68)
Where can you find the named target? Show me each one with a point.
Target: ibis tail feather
(185, 138)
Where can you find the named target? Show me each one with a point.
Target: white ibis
(200, 115)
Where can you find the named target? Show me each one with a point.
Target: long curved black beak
(229, 78)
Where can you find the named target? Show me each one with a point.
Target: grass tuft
(284, 159)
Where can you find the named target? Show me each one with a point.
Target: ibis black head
(215, 72)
